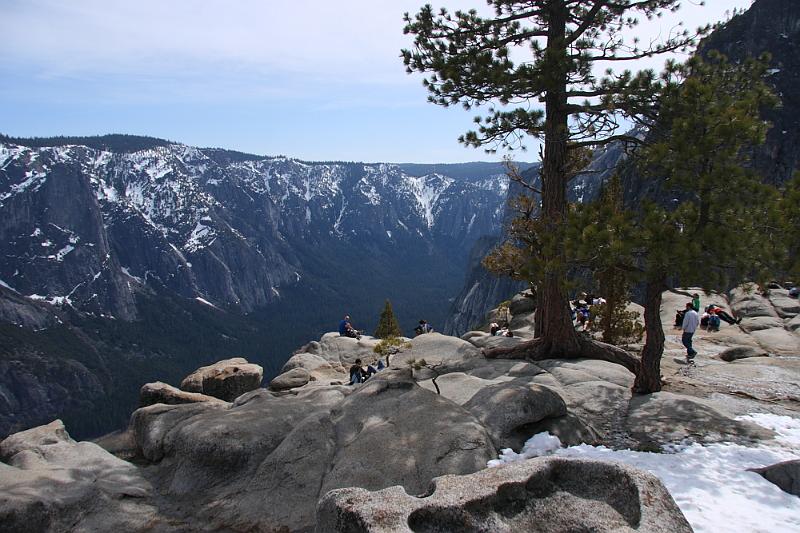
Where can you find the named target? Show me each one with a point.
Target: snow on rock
(206, 302)
(711, 484)
(426, 191)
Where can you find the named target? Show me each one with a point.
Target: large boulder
(388, 431)
(664, 417)
(785, 305)
(539, 495)
(198, 439)
(748, 302)
(227, 379)
(296, 377)
(509, 410)
(159, 392)
(52, 483)
(785, 475)
(437, 349)
(341, 352)
(485, 341)
(741, 352)
(778, 341)
(523, 302)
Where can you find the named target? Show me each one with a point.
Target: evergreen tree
(543, 51)
(788, 224)
(601, 238)
(718, 233)
(388, 326)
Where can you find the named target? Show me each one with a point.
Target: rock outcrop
(540, 495)
(283, 452)
(226, 380)
(49, 482)
(291, 379)
(158, 392)
(263, 460)
(785, 475)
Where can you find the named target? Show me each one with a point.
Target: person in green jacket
(696, 302)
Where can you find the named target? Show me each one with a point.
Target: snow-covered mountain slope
(84, 227)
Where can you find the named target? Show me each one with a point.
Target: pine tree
(718, 233)
(602, 240)
(388, 326)
(559, 43)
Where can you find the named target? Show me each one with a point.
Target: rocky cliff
(408, 449)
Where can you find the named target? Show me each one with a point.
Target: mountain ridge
(280, 247)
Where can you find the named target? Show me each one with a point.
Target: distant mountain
(268, 251)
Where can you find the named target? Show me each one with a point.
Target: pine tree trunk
(555, 332)
(557, 329)
(648, 379)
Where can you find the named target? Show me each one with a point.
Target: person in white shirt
(690, 322)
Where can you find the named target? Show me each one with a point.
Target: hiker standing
(690, 322)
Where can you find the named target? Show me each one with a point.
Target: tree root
(538, 349)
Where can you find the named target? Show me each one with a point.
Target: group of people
(500, 331)
(581, 312)
(359, 374)
(689, 319)
(422, 328)
(346, 328)
(711, 317)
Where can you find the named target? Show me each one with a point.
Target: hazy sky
(313, 79)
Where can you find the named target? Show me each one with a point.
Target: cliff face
(771, 26)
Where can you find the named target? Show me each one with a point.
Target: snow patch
(199, 237)
(59, 255)
(7, 286)
(426, 191)
(128, 273)
(206, 302)
(53, 300)
(711, 484)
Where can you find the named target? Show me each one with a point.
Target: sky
(311, 79)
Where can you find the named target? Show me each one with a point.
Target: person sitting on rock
(422, 328)
(679, 317)
(794, 292)
(504, 331)
(358, 374)
(584, 315)
(713, 321)
(494, 328)
(379, 365)
(725, 317)
(346, 329)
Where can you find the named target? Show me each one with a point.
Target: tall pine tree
(543, 51)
